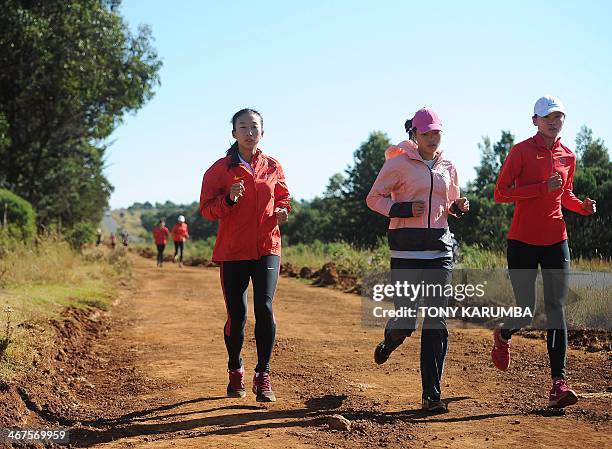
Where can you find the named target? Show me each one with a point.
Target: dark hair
(411, 130)
(235, 119)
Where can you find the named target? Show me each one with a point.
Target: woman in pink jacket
(418, 188)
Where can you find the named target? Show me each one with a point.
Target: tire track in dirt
(322, 364)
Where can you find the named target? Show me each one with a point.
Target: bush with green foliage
(80, 235)
(17, 217)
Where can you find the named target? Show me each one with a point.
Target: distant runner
(160, 235)
(180, 233)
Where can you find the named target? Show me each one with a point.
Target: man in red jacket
(160, 234)
(246, 192)
(537, 176)
(180, 233)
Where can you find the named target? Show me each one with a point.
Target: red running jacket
(160, 235)
(248, 229)
(180, 232)
(538, 219)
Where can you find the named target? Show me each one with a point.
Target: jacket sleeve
(505, 190)
(379, 199)
(214, 199)
(281, 192)
(568, 199)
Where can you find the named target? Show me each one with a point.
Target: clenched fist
(554, 182)
(236, 191)
(281, 215)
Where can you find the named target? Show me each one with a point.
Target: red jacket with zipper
(248, 229)
(160, 234)
(538, 219)
(180, 232)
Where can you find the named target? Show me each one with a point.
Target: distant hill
(140, 218)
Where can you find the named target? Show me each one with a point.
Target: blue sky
(325, 74)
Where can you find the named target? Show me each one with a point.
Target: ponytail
(411, 130)
(231, 149)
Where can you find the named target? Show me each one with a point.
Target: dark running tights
(235, 276)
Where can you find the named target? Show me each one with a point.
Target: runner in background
(98, 237)
(246, 192)
(180, 233)
(418, 188)
(113, 239)
(125, 238)
(160, 235)
(537, 176)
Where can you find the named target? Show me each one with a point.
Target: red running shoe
(501, 350)
(561, 395)
(263, 388)
(235, 387)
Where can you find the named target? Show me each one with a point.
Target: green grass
(38, 282)
(354, 261)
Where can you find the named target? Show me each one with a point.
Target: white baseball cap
(181, 218)
(547, 105)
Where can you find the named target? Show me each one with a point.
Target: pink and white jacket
(406, 178)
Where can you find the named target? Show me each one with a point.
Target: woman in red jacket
(180, 233)
(537, 176)
(246, 192)
(160, 234)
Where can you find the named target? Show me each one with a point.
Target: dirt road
(163, 378)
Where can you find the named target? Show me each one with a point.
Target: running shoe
(262, 388)
(501, 350)
(561, 395)
(235, 387)
(434, 406)
(384, 349)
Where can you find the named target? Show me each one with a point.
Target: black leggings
(235, 277)
(523, 261)
(160, 253)
(434, 335)
(177, 246)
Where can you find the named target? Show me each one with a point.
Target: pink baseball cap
(426, 120)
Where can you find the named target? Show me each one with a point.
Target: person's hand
(281, 215)
(589, 206)
(463, 204)
(418, 208)
(554, 182)
(236, 191)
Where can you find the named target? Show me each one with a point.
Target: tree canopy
(70, 71)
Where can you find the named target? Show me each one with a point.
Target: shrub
(17, 217)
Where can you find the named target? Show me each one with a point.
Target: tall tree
(592, 236)
(70, 71)
(360, 225)
(492, 157)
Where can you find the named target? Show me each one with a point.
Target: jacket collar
(235, 158)
(539, 140)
